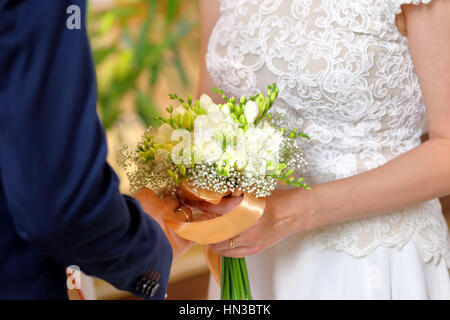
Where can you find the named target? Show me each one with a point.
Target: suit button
(154, 289)
(148, 284)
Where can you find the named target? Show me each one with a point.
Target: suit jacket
(59, 200)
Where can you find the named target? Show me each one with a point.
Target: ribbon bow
(220, 228)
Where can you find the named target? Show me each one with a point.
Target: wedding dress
(346, 78)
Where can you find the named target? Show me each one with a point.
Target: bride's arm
(209, 14)
(424, 172)
(416, 176)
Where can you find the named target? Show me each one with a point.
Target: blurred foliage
(133, 41)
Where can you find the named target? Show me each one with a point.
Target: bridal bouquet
(206, 152)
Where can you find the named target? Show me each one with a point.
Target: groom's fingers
(149, 199)
(170, 205)
(225, 206)
(220, 246)
(155, 206)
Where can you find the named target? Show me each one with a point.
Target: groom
(59, 200)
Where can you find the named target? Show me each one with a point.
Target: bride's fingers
(235, 243)
(240, 252)
(220, 246)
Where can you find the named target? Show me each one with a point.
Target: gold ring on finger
(231, 244)
(186, 212)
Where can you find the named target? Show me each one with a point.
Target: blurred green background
(141, 49)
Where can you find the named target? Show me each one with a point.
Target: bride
(359, 76)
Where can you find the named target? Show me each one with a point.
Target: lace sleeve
(397, 6)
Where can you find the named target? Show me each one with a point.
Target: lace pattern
(422, 223)
(346, 78)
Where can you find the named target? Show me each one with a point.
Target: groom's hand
(160, 209)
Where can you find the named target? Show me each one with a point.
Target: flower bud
(163, 135)
(205, 101)
(182, 170)
(173, 175)
(251, 111)
(226, 109)
(289, 173)
(188, 120)
(242, 119)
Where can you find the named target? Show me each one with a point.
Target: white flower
(211, 151)
(212, 108)
(226, 109)
(163, 135)
(263, 145)
(202, 130)
(255, 147)
(205, 101)
(237, 156)
(251, 111)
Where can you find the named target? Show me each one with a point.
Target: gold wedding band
(231, 244)
(187, 213)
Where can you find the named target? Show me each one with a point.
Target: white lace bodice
(346, 78)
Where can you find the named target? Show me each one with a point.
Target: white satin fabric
(384, 274)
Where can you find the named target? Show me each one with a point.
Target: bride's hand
(160, 209)
(285, 213)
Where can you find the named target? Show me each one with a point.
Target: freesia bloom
(205, 101)
(163, 135)
(251, 111)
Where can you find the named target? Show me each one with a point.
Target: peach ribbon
(218, 229)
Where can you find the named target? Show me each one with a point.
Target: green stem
(222, 280)
(234, 280)
(245, 278)
(234, 277)
(230, 279)
(225, 280)
(240, 280)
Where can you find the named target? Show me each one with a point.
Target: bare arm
(422, 173)
(209, 14)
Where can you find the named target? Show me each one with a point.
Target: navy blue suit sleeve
(63, 196)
